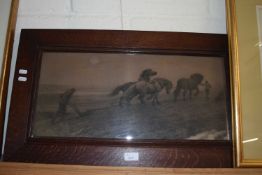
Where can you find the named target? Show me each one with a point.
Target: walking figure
(207, 86)
(63, 103)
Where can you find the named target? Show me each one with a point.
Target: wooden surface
(21, 147)
(43, 169)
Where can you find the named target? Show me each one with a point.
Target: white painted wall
(5, 7)
(202, 16)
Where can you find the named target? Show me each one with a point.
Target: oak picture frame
(23, 146)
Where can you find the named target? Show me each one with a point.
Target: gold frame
(239, 161)
(7, 63)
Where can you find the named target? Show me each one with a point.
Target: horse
(143, 88)
(121, 88)
(159, 84)
(188, 85)
(144, 76)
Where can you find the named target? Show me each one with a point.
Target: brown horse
(143, 88)
(144, 76)
(188, 85)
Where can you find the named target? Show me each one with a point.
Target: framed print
(121, 98)
(8, 14)
(244, 19)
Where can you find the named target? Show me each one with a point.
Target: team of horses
(149, 89)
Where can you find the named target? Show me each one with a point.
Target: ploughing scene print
(131, 96)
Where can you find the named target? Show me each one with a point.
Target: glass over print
(249, 33)
(131, 96)
(244, 19)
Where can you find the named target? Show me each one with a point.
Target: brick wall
(205, 16)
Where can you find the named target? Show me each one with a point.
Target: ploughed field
(100, 116)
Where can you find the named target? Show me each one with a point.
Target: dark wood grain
(187, 155)
(153, 153)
